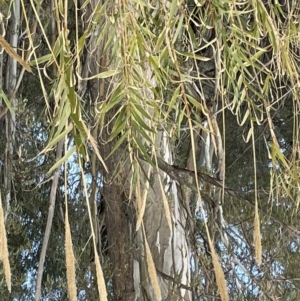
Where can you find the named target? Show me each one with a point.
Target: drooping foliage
(187, 106)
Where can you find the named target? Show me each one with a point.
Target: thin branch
(184, 176)
(49, 222)
(175, 281)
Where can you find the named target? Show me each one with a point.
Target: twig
(183, 176)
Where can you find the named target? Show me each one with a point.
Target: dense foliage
(133, 115)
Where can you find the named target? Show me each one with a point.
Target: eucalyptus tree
(176, 166)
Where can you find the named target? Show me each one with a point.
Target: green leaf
(119, 124)
(119, 142)
(3, 95)
(140, 131)
(160, 40)
(141, 122)
(80, 144)
(41, 60)
(195, 102)
(62, 120)
(195, 56)
(58, 138)
(139, 107)
(114, 100)
(104, 74)
(178, 29)
(81, 42)
(171, 105)
(63, 159)
(173, 8)
(111, 37)
(143, 150)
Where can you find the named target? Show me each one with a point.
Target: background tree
(161, 138)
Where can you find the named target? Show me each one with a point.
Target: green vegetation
(149, 150)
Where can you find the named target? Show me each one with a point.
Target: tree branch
(49, 223)
(184, 176)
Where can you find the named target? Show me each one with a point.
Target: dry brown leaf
(100, 277)
(141, 201)
(3, 249)
(257, 238)
(70, 261)
(94, 145)
(10, 51)
(166, 205)
(221, 283)
(152, 271)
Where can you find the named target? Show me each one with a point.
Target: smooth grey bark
(10, 118)
(170, 250)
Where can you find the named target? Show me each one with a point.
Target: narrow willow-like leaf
(195, 102)
(249, 135)
(81, 42)
(104, 74)
(70, 261)
(100, 278)
(4, 249)
(63, 116)
(57, 138)
(178, 29)
(111, 37)
(143, 151)
(257, 236)
(173, 7)
(220, 278)
(245, 117)
(277, 154)
(94, 145)
(10, 51)
(42, 59)
(143, 201)
(119, 124)
(141, 122)
(161, 39)
(119, 142)
(63, 159)
(174, 99)
(152, 270)
(141, 131)
(6, 100)
(195, 56)
(115, 99)
(140, 107)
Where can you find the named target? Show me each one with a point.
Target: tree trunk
(170, 250)
(119, 230)
(10, 118)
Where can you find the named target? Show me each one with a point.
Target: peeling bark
(170, 251)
